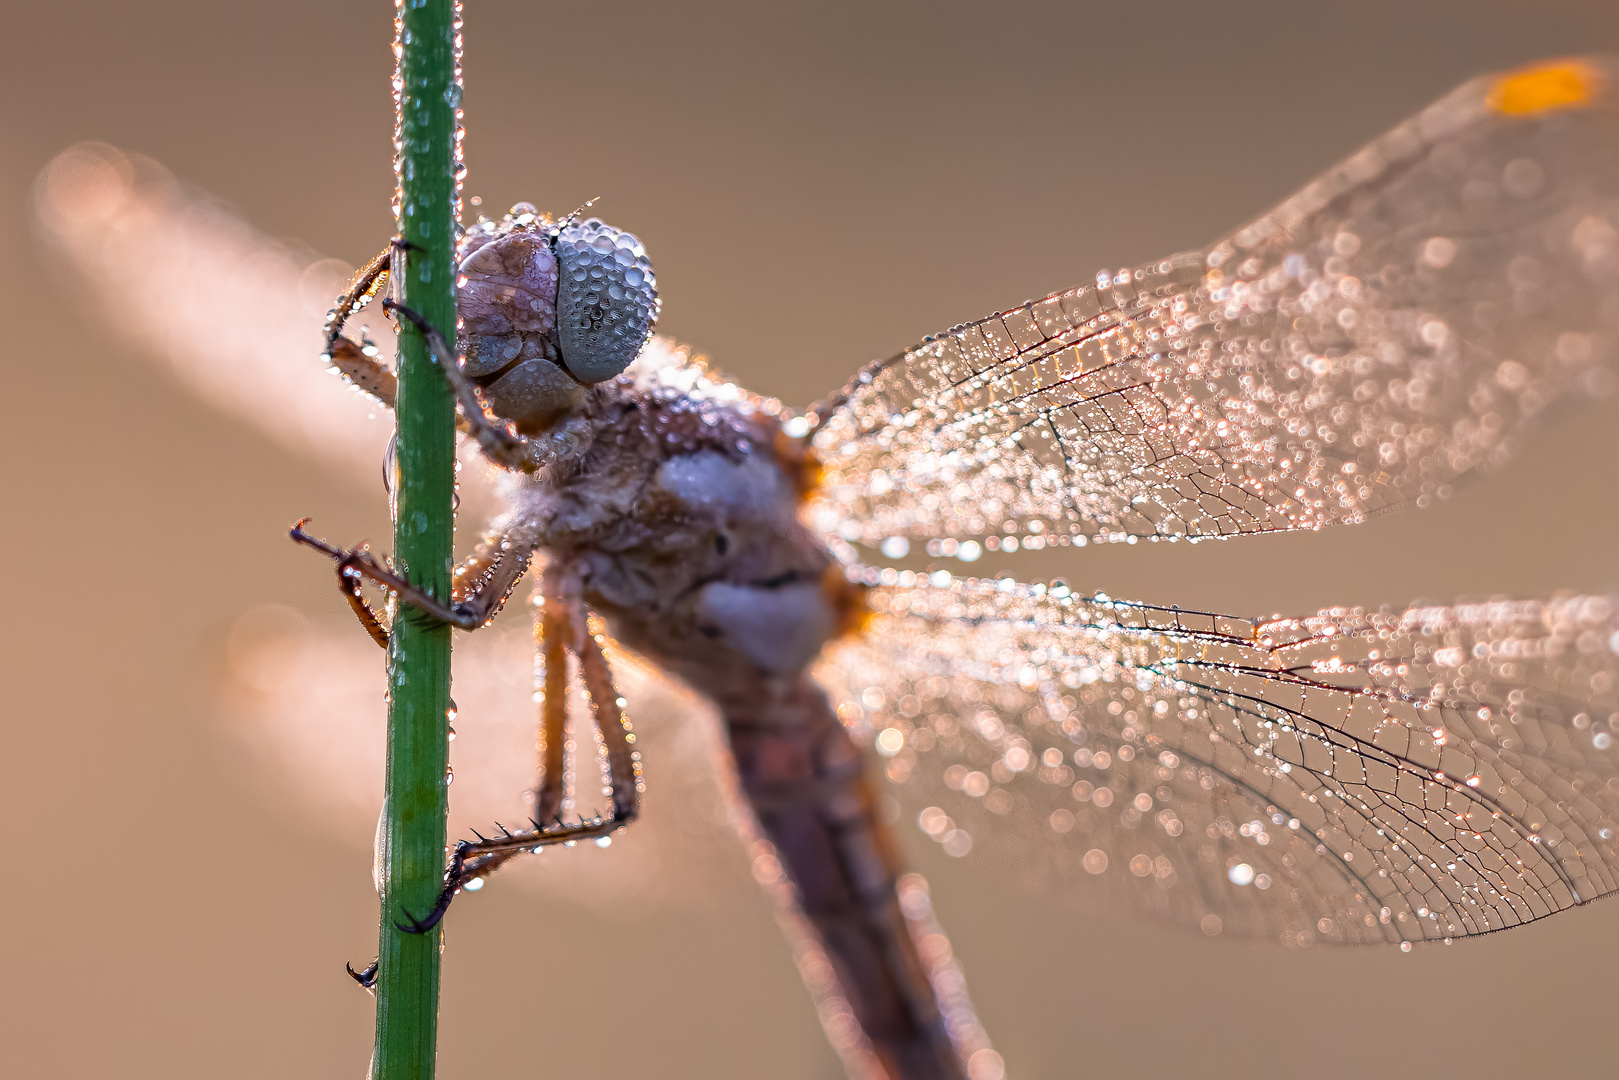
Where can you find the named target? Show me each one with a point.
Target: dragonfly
(1387, 777)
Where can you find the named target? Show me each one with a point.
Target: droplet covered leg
(499, 444)
(371, 375)
(359, 366)
(563, 628)
(493, 572)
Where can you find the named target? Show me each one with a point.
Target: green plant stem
(413, 829)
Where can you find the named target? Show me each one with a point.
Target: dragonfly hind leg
(367, 976)
(562, 628)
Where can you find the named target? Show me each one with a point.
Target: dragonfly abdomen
(806, 782)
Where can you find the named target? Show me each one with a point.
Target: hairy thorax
(679, 514)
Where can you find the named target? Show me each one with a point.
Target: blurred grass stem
(413, 826)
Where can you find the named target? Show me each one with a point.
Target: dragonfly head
(550, 308)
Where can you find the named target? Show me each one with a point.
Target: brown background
(817, 186)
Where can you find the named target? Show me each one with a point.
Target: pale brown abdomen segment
(806, 782)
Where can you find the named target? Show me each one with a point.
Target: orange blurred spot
(851, 614)
(798, 461)
(1562, 84)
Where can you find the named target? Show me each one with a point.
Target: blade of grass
(427, 90)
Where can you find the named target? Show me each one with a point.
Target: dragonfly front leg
(502, 447)
(358, 366)
(563, 628)
(373, 376)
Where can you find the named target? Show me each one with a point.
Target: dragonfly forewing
(1361, 347)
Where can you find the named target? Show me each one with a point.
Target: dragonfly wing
(1378, 335)
(237, 316)
(309, 702)
(1352, 776)
(234, 314)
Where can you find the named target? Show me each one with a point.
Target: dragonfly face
(548, 309)
(1351, 776)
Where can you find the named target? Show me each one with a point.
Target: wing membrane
(235, 314)
(1381, 333)
(1352, 776)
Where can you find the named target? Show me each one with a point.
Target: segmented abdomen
(806, 781)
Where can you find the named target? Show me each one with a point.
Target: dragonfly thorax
(681, 515)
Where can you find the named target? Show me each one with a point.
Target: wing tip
(1548, 86)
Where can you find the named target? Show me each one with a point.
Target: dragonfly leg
(563, 628)
(373, 376)
(552, 643)
(494, 572)
(363, 370)
(367, 977)
(511, 451)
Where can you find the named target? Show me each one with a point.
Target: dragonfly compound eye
(607, 299)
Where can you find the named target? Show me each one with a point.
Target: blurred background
(817, 185)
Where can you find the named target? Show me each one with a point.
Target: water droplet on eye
(474, 885)
(1405, 946)
(1095, 861)
(604, 841)
(1241, 874)
(895, 547)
